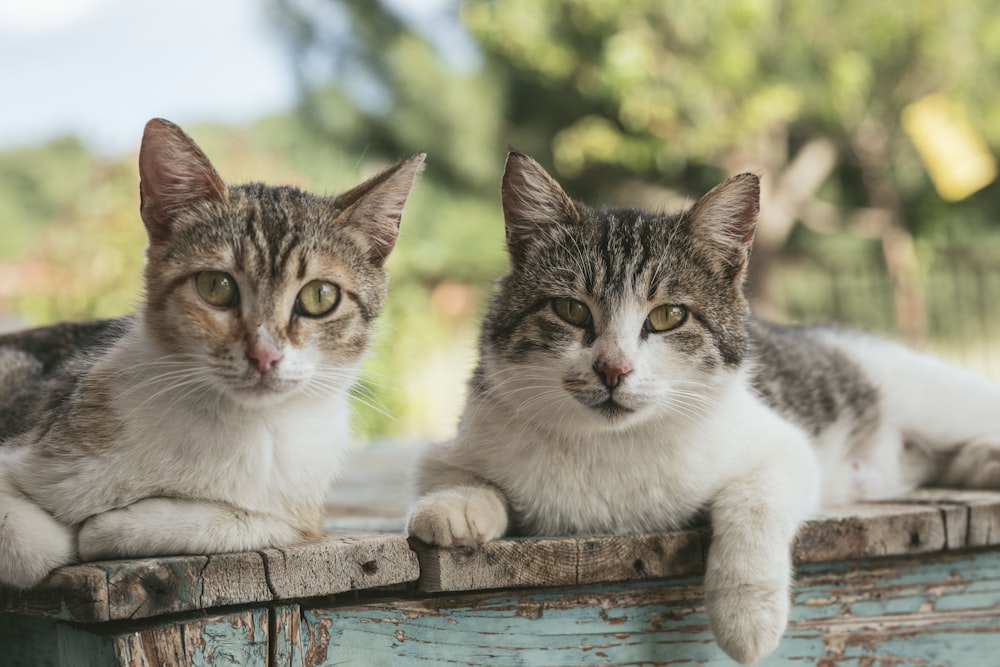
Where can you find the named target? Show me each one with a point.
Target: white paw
(102, 536)
(459, 517)
(747, 619)
(976, 465)
(32, 544)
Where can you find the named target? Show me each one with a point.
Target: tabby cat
(623, 386)
(214, 418)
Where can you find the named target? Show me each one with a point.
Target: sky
(101, 68)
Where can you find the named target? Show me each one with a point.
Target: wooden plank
(519, 563)
(153, 586)
(340, 561)
(229, 579)
(160, 646)
(864, 531)
(141, 588)
(892, 611)
(286, 637)
(235, 639)
(75, 593)
(239, 639)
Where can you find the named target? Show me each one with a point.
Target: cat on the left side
(214, 418)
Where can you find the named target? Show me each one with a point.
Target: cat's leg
(456, 508)
(942, 412)
(754, 520)
(166, 526)
(32, 542)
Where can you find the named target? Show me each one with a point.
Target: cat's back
(40, 367)
(807, 375)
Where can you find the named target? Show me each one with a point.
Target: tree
(616, 95)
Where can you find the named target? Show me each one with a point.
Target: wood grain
(891, 611)
(142, 588)
(518, 563)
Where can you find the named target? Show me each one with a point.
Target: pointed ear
(174, 175)
(376, 206)
(724, 222)
(532, 200)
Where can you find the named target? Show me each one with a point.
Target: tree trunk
(871, 146)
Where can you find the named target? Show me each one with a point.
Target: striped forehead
(625, 255)
(270, 246)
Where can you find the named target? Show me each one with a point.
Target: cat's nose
(264, 356)
(612, 372)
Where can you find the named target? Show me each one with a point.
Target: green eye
(572, 311)
(217, 288)
(317, 298)
(666, 318)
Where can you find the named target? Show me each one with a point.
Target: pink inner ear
(174, 175)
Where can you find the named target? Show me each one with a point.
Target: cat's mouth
(262, 387)
(612, 409)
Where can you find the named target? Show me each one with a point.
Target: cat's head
(256, 291)
(609, 317)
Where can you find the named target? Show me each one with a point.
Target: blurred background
(874, 126)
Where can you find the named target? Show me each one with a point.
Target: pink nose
(612, 372)
(264, 356)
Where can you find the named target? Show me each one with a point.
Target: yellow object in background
(954, 152)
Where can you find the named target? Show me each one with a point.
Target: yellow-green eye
(317, 298)
(666, 318)
(572, 311)
(217, 288)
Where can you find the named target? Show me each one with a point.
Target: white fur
(939, 423)
(200, 472)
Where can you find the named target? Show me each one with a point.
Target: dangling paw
(747, 619)
(459, 517)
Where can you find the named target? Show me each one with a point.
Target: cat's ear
(724, 221)
(174, 176)
(376, 206)
(532, 200)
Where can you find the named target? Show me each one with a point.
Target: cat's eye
(666, 318)
(572, 311)
(217, 288)
(317, 299)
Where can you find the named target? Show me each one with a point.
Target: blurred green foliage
(647, 103)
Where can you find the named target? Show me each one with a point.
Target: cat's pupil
(317, 298)
(572, 311)
(217, 288)
(666, 318)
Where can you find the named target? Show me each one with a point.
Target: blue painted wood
(887, 612)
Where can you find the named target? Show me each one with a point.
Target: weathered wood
(76, 593)
(864, 531)
(141, 588)
(340, 562)
(286, 637)
(895, 611)
(518, 563)
(228, 640)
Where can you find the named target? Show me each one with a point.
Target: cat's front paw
(101, 536)
(459, 517)
(747, 619)
(32, 544)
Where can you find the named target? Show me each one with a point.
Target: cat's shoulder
(40, 367)
(52, 346)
